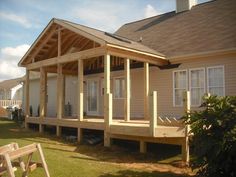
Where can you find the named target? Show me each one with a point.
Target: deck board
(118, 126)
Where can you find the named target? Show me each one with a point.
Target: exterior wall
(160, 80)
(164, 82)
(34, 101)
(71, 93)
(5, 94)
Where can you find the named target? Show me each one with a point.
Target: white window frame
(173, 86)
(190, 85)
(114, 81)
(218, 66)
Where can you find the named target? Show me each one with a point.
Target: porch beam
(80, 90)
(127, 89)
(138, 56)
(85, 54)
(146, 91)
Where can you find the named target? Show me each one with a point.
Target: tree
(214, 137)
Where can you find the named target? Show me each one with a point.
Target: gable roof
(8, 84)
(98, 36)
(206, 27)
(109, 38)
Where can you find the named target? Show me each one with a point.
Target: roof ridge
(67, 21)
(155, 16)
(147, 18)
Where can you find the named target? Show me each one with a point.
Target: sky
(21, 21)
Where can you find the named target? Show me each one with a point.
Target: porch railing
(6, 103)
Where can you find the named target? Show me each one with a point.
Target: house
(130, 84)
(11, 92)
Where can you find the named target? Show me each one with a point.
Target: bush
(214, 137)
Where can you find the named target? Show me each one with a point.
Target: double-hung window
(119, 87)
(197, 85)
(215, 80)
(180, 85)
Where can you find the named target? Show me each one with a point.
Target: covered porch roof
(66, 42)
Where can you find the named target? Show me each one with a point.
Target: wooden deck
(140, 128)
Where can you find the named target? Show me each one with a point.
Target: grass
(71, 160)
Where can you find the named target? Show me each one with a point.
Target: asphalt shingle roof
(206, 27)
(113, 38)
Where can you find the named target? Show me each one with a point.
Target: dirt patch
(3, 112)
(159, 168)
(15, 130)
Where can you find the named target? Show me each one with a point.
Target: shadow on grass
(131, 173)
(121, 152)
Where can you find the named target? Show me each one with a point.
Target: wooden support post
(108, 119)
(107, 101)
(79, 135)
(41, 128)
(58, 131)
(43, 92)
(59, 43)
(127, 89)
(185, 144)
(108, 110)
(80, 90)
(59, 91)
(27, 95)
(43, 96)
(107, 70)
(143, 147)
(146, 91)
(153, 116)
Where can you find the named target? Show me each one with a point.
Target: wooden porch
(95, 51)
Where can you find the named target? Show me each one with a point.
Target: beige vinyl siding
(34, 89)
(71, 93)
(52, 97)
(160, 80)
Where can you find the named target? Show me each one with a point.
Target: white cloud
(150, 11)
(16, 18)
(107, 16)
(9, 58)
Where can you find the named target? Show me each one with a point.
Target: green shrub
(214, 137)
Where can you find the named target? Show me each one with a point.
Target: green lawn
(71, 160)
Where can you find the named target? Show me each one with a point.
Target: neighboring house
(115, 76)
(11, 92)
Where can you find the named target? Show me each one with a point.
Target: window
(180, 85)
(119, 87)
(197, 85)
(215, 80)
